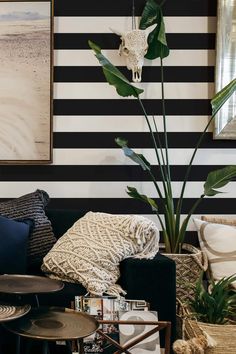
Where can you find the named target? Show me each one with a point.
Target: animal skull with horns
(134, 46)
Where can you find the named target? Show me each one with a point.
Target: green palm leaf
(157, 44)
(113, 76)
(137, 158)
(218, 179)
(132, 192)
(222, 96)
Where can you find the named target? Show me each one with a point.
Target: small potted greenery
(211, 312)
(173, 230)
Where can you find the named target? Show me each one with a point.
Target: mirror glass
(225, 122)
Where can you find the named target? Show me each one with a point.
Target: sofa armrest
(154, 281)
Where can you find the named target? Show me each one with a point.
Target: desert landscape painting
(25, 81)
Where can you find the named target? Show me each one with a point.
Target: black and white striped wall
(89, 172)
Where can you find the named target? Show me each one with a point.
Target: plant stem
(156, 185)
(159, 143)
(180, 238)
(180, 201)
(170, 204)
(164, 178)
(164, 123)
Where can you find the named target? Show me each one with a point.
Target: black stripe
(102, 140)
(91, 173)
(190, 237)
(112, 41)
(131, 206)
(123, 8)
(149, 74)
(131, 107)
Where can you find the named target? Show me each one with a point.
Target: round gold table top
(54, 323)
(28, 284)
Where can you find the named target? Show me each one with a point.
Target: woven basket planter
(223, 335)
(189, 266)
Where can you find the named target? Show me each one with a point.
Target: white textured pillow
(219, 243)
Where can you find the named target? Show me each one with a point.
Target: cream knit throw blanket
(91, 250)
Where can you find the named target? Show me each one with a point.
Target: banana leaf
(222, 96)
(218, 179)
(157, 44)
(113, 76)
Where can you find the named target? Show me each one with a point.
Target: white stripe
(116, 157)
(103, 24)
(178, 57)
(106, 189)
(127, 123)
(95, 90)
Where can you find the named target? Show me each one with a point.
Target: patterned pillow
(219, 243)
(31, 206)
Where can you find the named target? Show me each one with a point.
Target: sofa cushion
(219, 243)
(32, 206)
(13, 245)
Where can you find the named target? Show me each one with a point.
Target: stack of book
(112, 309)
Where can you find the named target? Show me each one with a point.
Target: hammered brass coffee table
(54, 324)
(28, 284)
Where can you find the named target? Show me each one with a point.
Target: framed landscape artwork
(25, 82)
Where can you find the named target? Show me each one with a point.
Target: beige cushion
(219, 243)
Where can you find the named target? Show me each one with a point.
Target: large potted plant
(172, 229)
(209, 319)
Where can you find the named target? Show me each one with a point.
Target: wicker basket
(224, 336)
(189, 266)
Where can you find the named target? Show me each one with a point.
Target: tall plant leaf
(157, 44)
(137, 158)
(132, 192)
(218, 179)
(113, 76)
(222, 96)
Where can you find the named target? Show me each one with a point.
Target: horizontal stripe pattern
(112, 41)
(152, 91)
(85, 24)
(106, 189)
(85, 58)
(116, 157)
(127, 173)
(124, 8)
(130, 107)
(141, 140)
(149, 74)
(89, 171)
(131, 206)
(132, 124)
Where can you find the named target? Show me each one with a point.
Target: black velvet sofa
(153, 280)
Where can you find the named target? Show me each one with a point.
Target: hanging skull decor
(134, 46)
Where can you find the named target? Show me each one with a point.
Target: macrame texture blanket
(91, 250)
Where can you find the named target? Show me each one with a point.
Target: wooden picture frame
(26, 71)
